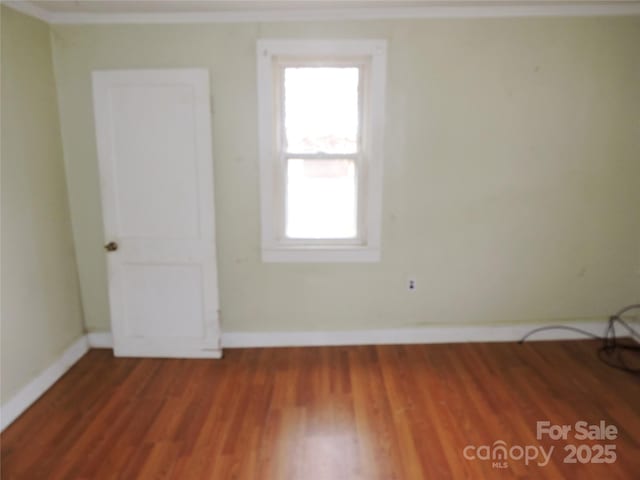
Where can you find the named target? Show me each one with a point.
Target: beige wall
(41, 313)
(512, 167)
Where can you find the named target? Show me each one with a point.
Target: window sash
(279, 66)
(360, 237)
(282, 156)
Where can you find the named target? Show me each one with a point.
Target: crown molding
(30, 9)
(477, 9)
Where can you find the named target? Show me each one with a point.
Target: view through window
(321, 118)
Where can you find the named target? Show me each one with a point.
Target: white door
(154, 150)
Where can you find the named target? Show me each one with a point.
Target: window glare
(321, 109)
(321, 199)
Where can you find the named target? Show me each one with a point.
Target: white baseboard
(435, 334)
(36, 387)
(100, 339)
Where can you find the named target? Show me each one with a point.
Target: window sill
(324, 254)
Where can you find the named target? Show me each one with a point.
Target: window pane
(321, 199)
(321, 109)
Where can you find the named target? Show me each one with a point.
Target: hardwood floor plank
(366, 412)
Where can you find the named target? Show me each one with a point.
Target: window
(321, 126)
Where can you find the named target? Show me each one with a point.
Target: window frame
(273, 55)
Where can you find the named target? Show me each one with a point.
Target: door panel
(163, 301)
(154, 150)
(155, 133)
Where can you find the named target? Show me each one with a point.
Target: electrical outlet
(411, 284)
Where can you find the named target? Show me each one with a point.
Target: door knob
(111, 247)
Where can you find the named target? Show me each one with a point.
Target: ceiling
(155, 11)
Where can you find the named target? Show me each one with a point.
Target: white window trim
(274, 250)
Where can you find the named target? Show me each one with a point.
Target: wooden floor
(386, 412)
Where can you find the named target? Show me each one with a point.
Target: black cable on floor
(611, 347)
